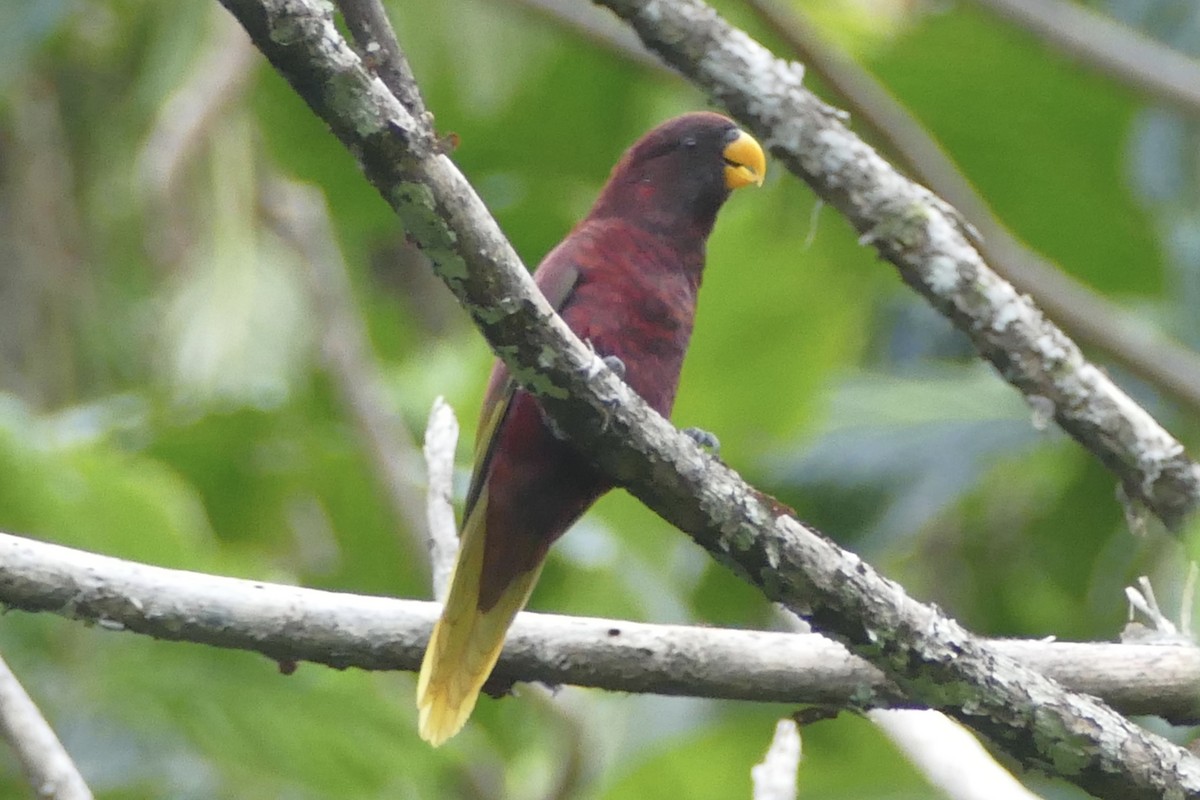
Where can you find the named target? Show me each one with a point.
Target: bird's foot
(612, 362)
(616, 365)
(610, 406)
(705, 439)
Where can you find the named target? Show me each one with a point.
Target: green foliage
(163, 399)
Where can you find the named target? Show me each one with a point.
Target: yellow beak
(745, 162)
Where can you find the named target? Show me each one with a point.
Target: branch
(372, 30)
(288, 623)
(186, 120)
(1110, 48)
(441, 437)
(941, 749)
(946, 753)
(1087, 315)
(46, 764)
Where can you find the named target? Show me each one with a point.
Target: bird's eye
(689, 142)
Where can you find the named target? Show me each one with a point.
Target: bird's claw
(705, 439)
(616, 365)
(610, 406)
(552, 426)
(610, 361)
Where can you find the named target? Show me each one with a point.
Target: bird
(625, 280)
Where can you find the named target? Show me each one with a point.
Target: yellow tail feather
(465, 643)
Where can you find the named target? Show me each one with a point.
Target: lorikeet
(625, 280)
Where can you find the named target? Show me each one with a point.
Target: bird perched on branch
(625, 280)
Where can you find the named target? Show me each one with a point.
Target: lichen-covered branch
(928, 655)
(289, 623)
(927, 241)
(368, 23)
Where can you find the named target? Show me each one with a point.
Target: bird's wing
(556, 277)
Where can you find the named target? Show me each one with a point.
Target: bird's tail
(466, 642)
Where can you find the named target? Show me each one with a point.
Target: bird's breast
(640, 310)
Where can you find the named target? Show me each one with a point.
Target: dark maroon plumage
(625, 280)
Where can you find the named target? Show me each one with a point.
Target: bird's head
(681, 172)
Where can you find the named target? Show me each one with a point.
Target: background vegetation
(162, 396)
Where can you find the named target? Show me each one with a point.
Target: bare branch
(46, 764)
(288, 623)
(932, 658)
(774, 777)
(441, 439)
(1109, 47)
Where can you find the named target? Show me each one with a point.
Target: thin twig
(46, 764)
(441, 440)
(183, 132)
(1137, 344)
(774, 777)
(1109, 47)
(1160, 630)
(372, 31)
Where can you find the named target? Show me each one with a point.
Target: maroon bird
(625, 280)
